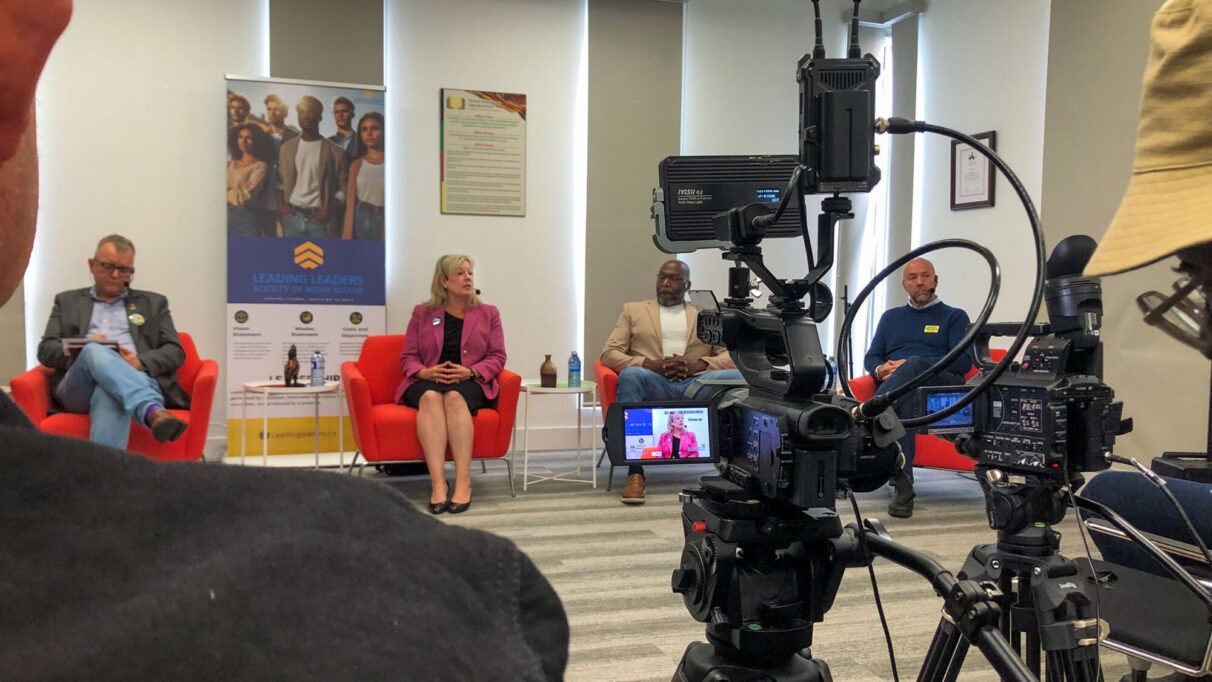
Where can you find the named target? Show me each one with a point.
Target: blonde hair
(446, 267)
(669, 422)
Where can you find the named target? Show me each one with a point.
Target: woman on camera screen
(453, 351)
(677, 442)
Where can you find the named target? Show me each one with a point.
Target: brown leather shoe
(164, 426)
(633, 491)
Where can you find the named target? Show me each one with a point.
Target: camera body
(787, 436)
(1051, 414)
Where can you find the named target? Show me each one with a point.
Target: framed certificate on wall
(972, 174)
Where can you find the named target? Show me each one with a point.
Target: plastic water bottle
(574, 371)
(317, 368)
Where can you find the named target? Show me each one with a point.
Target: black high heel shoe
(456, 507)
(436, 508)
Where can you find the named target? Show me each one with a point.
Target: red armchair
(932, 452)
(387, 432)
(197, 376)
(608, 391)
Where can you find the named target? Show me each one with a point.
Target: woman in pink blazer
(453, 351)
(677, 442)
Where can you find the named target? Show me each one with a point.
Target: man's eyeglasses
(672, 279)
(1183, 314)
(110, 268)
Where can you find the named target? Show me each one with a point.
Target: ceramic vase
(547, 373)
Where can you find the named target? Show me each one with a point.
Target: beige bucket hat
(1168, 203)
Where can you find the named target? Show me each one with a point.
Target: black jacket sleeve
(50, 348)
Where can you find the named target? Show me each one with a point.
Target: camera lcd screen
(960, 422)
(661, 433)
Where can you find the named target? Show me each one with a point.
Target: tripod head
(758, 572)
(1014, 502)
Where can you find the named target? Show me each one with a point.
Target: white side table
(533, 387)
(271, 388)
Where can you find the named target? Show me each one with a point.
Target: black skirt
(471, 391)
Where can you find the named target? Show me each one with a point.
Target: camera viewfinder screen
(960, 422)
(665, 434)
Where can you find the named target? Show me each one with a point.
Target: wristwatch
(474, 375)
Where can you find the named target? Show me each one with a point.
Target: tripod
(759, 573)
(1049, 609)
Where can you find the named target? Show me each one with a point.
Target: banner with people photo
(306, 221)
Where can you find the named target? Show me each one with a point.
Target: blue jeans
(1128, 494)
(637, 384)
(367, 226)
(296, 225)
(100, 384)
(906, 407)
(242, 221)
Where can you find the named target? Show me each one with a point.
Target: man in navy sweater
(908, 340)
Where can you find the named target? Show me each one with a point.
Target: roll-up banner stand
(306, 220)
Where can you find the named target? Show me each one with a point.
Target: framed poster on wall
(483, 165)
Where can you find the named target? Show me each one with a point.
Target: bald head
(919, 281)
(673, 280)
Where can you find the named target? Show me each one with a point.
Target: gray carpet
(611, 566)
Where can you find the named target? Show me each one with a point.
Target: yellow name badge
(931, 329)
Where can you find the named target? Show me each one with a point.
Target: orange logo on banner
(309, 256)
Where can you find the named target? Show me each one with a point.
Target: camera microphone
(1074, 302)
(1070, 256)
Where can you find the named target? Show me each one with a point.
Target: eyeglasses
(673, 279)
(110, 268)
(1183, 314)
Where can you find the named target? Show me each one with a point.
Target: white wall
(530, 267)
(982, 65)
(740, 96)
(132, 103)
(130, 116)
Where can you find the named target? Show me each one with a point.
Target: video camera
(786, 436)
(764, 549)
(1051, 415)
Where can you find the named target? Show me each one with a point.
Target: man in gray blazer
(134, 381)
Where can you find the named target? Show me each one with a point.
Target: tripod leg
(1055, 669)
(1033, 652)
(1005, 583)
(945, 656)
(938, 656)
(957, 662)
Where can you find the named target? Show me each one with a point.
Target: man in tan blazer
(655, 350)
